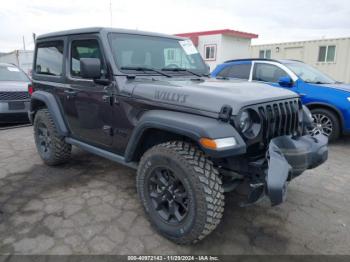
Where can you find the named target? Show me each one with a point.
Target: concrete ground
(90, 206)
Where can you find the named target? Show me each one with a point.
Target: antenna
(24, 43)
(110, 12)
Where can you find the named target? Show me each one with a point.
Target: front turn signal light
(218, 144)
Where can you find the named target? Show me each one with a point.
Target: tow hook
(255, 194)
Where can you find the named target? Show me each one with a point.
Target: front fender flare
(188, 125)
(52, 105)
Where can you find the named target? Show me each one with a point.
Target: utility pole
(110, 12)
(24, 44)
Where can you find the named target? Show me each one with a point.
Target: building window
(265, 54)
(210, 52)
(171, 54)
(326, 53)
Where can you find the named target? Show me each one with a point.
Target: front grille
(280, 118)
(13, 96)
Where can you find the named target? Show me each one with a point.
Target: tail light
(30, 89)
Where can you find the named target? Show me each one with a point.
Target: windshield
(160, 53)
(12, 73)
(309, 74)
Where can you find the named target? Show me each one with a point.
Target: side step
(101, 152)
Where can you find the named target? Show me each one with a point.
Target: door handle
(302, 94)
(70, 93)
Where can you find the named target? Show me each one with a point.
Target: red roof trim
(220, 32)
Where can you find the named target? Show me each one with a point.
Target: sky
(273, 20)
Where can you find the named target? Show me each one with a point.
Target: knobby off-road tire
(51, 147)
(196, 176)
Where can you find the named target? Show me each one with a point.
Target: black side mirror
(90, 68)
(285, 81)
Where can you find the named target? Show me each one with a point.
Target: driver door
(88, 113)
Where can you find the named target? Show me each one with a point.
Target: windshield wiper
(182, 69)
(141, 68)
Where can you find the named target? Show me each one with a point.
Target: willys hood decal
(209, 95)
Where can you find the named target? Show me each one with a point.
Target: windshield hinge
(225, 113)
(130, 76)
(108, 99)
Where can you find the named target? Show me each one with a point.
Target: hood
(13, 86)
(343, 87)
(209, 95)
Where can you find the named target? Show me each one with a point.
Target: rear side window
(49, 58)
(267, 73)
(241, 71)
(84, 49)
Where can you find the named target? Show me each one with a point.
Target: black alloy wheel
(168, 195)
(44, 140)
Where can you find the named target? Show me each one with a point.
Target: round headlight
(245, 121)
(249, 123)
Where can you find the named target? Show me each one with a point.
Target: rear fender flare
(52, 105)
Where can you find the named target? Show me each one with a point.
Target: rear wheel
(51, 147)
(326, 123)
(181, 191)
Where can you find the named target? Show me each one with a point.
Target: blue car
(327, 99)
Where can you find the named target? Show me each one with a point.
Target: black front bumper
(287, 158)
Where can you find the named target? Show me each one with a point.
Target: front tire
(51, 147)
(326, 123)
(181, 191)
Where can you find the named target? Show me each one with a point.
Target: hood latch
(225, 113)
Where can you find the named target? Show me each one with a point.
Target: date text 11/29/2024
(173, 258)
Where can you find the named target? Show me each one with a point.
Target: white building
(218, 46)
(21, 58)
(331, 56)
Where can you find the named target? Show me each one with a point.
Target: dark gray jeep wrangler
(145, 100)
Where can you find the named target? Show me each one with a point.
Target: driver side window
(84, 49)
(267, 73)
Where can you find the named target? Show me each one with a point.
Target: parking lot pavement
(90, 205)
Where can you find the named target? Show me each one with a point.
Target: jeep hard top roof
(92, 30)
